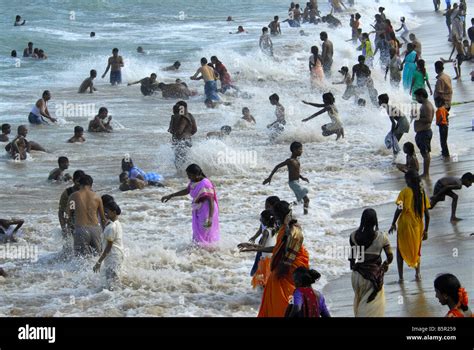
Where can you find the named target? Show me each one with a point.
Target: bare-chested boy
(115, 62)
(87, 207)
(445, 187)
(294, 174)
(88, 83)
(78, 135)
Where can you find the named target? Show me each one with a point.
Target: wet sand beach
(449, 246)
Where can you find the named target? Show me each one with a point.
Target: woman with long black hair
(367, 268)
(412, 205)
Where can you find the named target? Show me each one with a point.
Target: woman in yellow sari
(412, 205)
(288, 254)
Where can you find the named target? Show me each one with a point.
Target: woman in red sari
(288, 254)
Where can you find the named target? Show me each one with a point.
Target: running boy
(294, 174)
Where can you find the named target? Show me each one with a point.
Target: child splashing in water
(294, 174)
(335, 127)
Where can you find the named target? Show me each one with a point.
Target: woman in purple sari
(205, 206)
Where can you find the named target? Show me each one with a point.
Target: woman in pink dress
(316, 68)
(205, 206)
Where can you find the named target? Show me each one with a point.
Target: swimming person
(134, 172)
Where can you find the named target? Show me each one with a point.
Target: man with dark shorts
(115, 65)
(423, 130)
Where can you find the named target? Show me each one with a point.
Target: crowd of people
(91, 226)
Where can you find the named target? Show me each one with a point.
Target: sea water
(164, 274)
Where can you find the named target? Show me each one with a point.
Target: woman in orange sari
(288, 254)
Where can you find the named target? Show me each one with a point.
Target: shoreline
(449, 246)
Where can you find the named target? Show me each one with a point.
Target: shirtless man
(209, 75)
(40, 110)
(175, 90)
(148, 85)
(88, 83)
(115, 63)
(101, 122)
(174, 67)
(423, 130)
(294, 174)
(275, 26)
(86, 206)
(445, 187)
(327, 53)
(6, 130)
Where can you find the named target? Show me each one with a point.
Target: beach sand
(449, 246)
